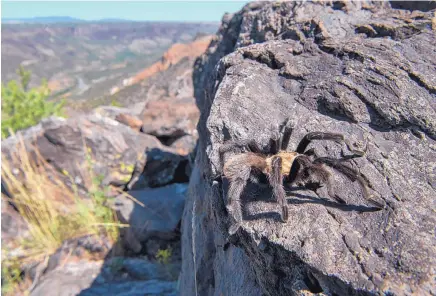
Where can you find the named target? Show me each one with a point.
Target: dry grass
(52, 211)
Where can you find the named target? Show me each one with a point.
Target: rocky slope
(172, 56)
(361, 69)
(84, 60)
(168, 79)
(146, 149)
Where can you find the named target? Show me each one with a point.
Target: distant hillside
(60, 19)
(84, 60)
(45, 20)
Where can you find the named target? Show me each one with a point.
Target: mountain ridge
(73, 20)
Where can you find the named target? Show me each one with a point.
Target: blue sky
(131, 10)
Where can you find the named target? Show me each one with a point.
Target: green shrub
(164, 256)
(23, 107)
(115, 103)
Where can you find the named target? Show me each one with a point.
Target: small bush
(10, 275)
(115, 103)
(164, 256)
(22, 108)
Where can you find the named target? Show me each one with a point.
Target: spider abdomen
(287, 161)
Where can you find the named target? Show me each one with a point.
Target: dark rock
(155, 213)
(164, 166)
(357, 68)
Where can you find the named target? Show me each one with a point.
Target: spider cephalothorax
(302, 167)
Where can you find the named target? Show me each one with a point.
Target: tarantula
(301, 167)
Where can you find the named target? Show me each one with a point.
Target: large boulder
(361, 69)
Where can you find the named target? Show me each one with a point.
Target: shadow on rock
(146, 259)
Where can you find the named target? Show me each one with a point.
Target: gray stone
(87, 278)
(157, 212)
(148, 288)
(140, 269)
(357, 68)
(69, 280)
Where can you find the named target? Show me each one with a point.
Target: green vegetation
(11, 276)
(164, 256)
(52, 211)
(23, 107)
(115, 103)
(125, 55)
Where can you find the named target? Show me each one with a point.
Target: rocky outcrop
(361, 69)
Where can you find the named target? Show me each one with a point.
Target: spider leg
(276, 181)
(236, 188)
(281, 141)
(310, 152)
(318, 136)
(309, 172)
(285, 134)
(351, 174)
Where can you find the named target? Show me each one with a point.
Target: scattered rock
(316, 64)
(118, 153)
(112, 111)
(112, 149)
(185, 144)
(167, 119)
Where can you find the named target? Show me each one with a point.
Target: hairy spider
(302, 167)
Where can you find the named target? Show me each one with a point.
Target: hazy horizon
(171, 11)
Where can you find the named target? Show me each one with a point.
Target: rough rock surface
(361, 69)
